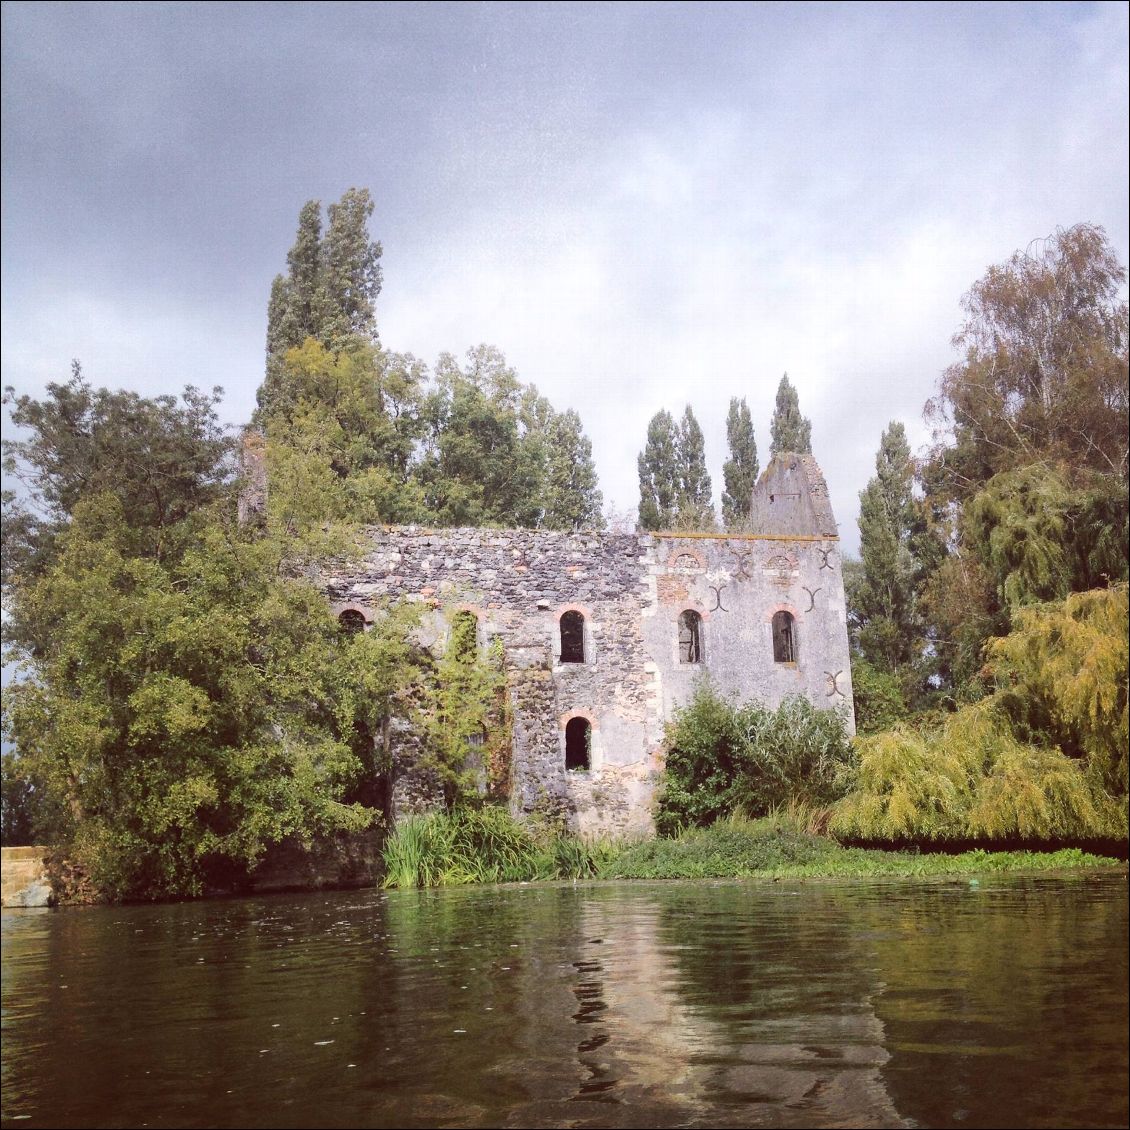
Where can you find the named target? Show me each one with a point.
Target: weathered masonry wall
(631, 590)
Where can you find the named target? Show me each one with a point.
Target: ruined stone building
(605, 634)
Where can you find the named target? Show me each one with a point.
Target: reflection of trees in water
(1011, 996)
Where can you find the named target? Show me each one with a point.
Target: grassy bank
(487, 846)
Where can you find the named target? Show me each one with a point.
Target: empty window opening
(352, 621)
(572, 638)
(784, 638)
(464, 636)
(690, 637)
(578, 744)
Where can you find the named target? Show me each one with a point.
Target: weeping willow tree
(970, 778)
(1043, 757)
(1064, 671)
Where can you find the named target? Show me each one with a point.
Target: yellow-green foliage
(1071, 658)
(908, 786)
(969, 779)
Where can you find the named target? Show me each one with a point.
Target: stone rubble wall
(631, 589)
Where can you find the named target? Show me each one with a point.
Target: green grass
(774, 848)
(488, 846)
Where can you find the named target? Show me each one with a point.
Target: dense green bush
(879, 701)
(724, 757)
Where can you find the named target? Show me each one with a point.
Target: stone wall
(630, 590)
(23, 877)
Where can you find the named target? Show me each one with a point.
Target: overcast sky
(642, 205)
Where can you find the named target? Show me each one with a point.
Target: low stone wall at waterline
(23, 878)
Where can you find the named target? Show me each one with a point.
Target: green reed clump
(486, 845)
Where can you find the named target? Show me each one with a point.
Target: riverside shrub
(723, 757)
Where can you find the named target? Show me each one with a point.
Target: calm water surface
(1001, 1002)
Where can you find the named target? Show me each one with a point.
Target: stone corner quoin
(615, 629)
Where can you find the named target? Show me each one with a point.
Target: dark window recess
(572, 638)
(690, 637)
(784, 638)
(578, 744)
(352, 621)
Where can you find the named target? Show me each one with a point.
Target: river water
(993, 1002)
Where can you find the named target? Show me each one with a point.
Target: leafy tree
(739, 471)
(1043, 377)
(163, 459)
(889, 633)
(659, 473)
(343, 446)
(674, 483)
(483, 463)
(1063, 673)
(329, 292)
(187, 712)
(694, 507)
(789, 430)
(572, 498)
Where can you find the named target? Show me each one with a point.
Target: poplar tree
(659, 473)
(790, 431)
(890, 635)
(739, 472)
(572, 498)
(329, 292)
(694, 507)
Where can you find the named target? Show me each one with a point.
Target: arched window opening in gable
(690, 637)
(784, 638)
(464, 636)
(578, 744)
(352, 621)
(572, 638)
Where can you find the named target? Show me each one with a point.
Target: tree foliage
(674, 483)
(189, 710)
(1043, 376)
(464, 714)
(329, 292)
(789, 430)
(724, 757)
(970, 778)
(885, 603)
(161, 457)
(739, 472)
(659, 474)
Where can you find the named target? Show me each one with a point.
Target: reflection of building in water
(604, 635)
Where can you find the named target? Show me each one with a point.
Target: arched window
(352, 621)
(572, 637)
(784, 638)
(464, 635)
(690, 637)
(578, 744)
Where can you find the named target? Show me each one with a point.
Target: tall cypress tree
(790, 431)
(659, 473)
(739, 472)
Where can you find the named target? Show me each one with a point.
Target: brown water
(1001, 1002)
